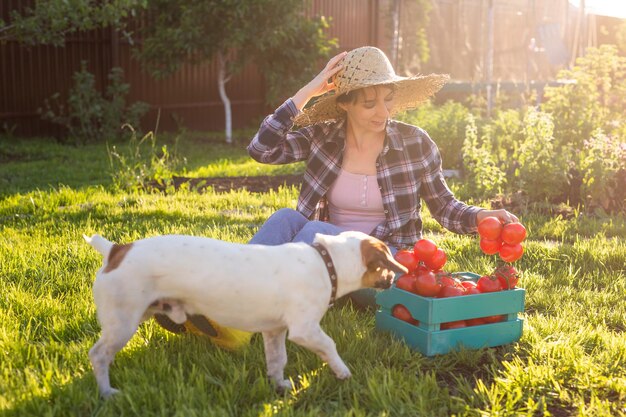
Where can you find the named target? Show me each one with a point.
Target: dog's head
(377, 261)
(381, 266)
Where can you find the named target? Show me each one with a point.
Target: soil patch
(515, 203)
(256, 184)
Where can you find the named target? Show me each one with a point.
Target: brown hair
(352, 96)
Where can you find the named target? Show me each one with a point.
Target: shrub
(446, 125)
(594, 99)
(143, 166)
(603, 162)
(506, 135)
(483, 177)
(89, 116)
(541, 172)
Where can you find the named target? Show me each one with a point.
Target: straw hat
(368, 66)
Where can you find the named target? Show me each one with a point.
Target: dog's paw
(109, 392)
(342, 372)
(283, 386)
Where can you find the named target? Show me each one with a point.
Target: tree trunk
(222, 79)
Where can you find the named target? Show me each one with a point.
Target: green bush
(594, 98)
(305, 41)
(541, 171)
(483, 177)
(603, 162)
(446, 126)
(505, 131)
(589, 127)
(513, 152)
(572, 151)
(143, 166)
(89, 116)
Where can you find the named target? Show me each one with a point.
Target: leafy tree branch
(273, 34)
(48, 22)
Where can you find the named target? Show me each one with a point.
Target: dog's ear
(377, 255)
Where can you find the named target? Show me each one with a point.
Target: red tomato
(490, 228)
(406, 282)
(511, 253)
(472, 291)
(513, 233)
(468, 284)
(494, 319)
(475, 322)
(424, 249)
(470, 287)
(453, 325)
(437, 261)
(402, 313)
(507, 275)
(407, 259)
(489, 246)
(426, 284)
(447, 280)
(488, 283)
(448, 291)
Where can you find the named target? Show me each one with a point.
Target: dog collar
(330, 266)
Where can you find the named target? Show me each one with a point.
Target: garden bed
(257, 184)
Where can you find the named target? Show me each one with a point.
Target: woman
(364, 170)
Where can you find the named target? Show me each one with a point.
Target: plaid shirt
(408, 168)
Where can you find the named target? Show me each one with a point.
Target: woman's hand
(503, 215)
(321, 84)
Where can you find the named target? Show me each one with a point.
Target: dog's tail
(100, 244)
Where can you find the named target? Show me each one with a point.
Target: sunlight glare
(610, 8)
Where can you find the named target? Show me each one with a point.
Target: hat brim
(410, 93)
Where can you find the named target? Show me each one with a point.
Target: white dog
(258, 288)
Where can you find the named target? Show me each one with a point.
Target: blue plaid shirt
(408, 168)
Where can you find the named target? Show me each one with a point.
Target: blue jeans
(288, 225)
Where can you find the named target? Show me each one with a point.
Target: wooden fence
(29, 75)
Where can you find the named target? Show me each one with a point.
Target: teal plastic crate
(430, 340)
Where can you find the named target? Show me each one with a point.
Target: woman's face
(371, 109)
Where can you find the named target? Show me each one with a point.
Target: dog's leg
(276, 357)
(312, 337)
(173, 309)
(169, 314)
(115, 335)
(167, 323)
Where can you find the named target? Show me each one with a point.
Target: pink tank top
(355, 203)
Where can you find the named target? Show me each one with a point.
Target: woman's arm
(274, 142)
(321, 84)
(450, 212)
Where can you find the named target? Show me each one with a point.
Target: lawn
(571, 359)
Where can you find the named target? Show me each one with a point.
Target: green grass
(571, 359)
(42, 164)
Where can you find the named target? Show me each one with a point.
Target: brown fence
(29, 75)
(457, 39)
